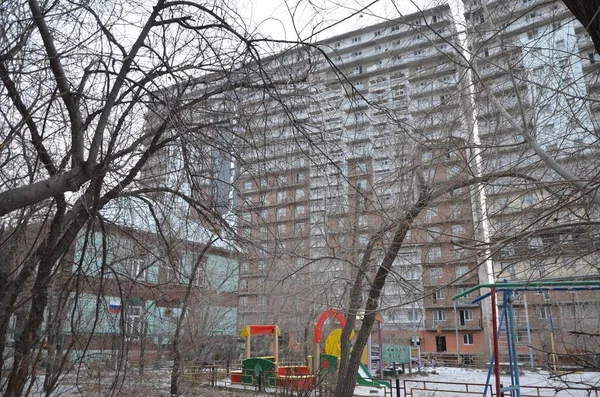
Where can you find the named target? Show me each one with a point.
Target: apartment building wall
(126, 285)
(539, 64)
(348, 170)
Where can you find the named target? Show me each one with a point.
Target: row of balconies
(450, 324)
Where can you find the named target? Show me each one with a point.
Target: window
(361, 185)
(434, 19)
(412, 274)
(264, 214)
(457, 230)
(434, 253)
(532, 34)
(418, 69)
(261, 300)
(462, 270)
(378, 33)
(299, 228)
(426, 156)
(543, 311)
(299, 194)
(244, 267)
(137, 270)
(300, 177)
(467, 339)
(281, 213)
(435, 274)
(419, 37)
(244, 285)
(281, 196)
(356, 39)
(535, 243)
(362, 220)
(465, 315)
(433, 234)
(358, 69)
(281, 180)
(430, 214)
(418, 52)
(281, 228)
(437, 296)
(363, 239)
(133, 321)
(507, 269)
(455, 211)
(452, 171)
(243, 301)
(261, 265)
(338, 44)
(300, 210)
(413, 314)
(248, 185)
(439, 316)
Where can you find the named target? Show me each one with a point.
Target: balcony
(450, 325)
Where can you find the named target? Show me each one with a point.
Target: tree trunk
(144, 330)
(177, 360)
(348, 371)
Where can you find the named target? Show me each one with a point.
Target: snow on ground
(527, 378)
(445, 382)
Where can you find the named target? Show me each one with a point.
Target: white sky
(285, 19)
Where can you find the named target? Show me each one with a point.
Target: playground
(268, 371)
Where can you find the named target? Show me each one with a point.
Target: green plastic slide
(365, 378)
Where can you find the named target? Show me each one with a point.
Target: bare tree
(97, 96)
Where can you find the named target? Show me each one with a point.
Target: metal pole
(456, 334)
(513, 344)
(552, 342)
(528, 333)
(379, 337)
(495, 336)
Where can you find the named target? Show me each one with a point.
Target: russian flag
(114, 306)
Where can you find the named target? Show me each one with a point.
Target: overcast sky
(281, 19)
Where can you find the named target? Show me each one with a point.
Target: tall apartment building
(378, 116)
(540, 65)
(363, 120)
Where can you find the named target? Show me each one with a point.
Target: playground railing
(417, 388)
(442, 389)
(208, 373)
